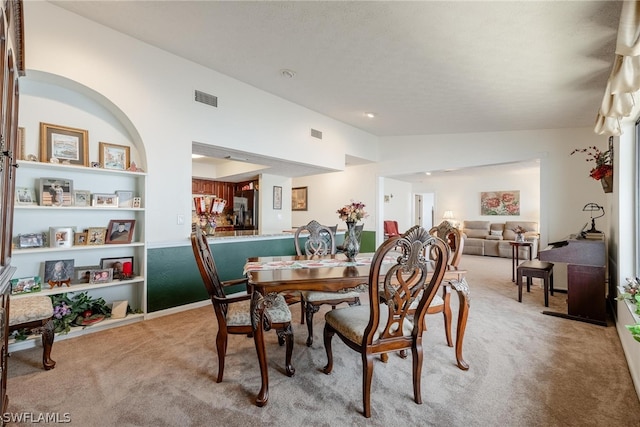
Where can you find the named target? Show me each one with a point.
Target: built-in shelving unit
(37, 219)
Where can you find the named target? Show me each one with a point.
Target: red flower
(603, 167)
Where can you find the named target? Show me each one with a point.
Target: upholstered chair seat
(239, 313)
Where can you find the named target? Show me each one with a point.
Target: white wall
(273, 221)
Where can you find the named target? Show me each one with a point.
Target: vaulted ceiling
(423, 67)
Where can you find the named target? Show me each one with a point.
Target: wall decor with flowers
(500, 203)
(602, 170)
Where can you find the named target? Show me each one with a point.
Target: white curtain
(624, 81)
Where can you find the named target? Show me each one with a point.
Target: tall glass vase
(351, 242)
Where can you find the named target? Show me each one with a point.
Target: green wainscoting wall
(173, 278)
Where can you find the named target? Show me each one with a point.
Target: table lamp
(449, 217)
(593, 208)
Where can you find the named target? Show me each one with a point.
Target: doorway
(423, 209)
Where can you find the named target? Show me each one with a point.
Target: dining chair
(233, 311)
(311, 301)
(387, 323)
(391, 229)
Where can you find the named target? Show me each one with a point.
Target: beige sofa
(492, 239)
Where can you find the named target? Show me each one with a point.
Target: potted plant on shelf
(603, 169)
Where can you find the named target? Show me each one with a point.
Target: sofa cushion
(476, 229)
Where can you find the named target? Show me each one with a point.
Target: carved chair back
(208, 271)
(321, 239)
(453, 237)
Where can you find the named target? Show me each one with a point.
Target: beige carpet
(526, 369)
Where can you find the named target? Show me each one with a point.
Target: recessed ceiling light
(428, 173)
(288, 74)
(370, 115)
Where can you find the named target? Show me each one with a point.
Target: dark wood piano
(586, 262)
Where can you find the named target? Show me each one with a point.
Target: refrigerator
(245, 210)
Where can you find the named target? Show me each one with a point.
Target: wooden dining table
(271, 275)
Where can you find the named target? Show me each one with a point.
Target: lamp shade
(448, 215)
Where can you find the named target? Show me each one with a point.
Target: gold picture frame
(65, 144)
(299, 199)
(114, 156)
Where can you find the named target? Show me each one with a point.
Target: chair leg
(367, 376)
(416, 349)
(286, 335)
(519, 286)
(310, 311)
(446, 314)
(47, 343)
(221, 346)
(303, 309)
(328, 335)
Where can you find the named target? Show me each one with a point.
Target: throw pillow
(496, 233)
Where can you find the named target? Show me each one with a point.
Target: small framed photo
(32, 240)
(26, 285)
(277, 197)
(21, 153)
(61, 237)
(299, 199)
(113, 156)
(65, 144)
(58, 271)
(80, 238)
(81, 198)
(137, 202)
(125, 199)
(101, 276)
(96, 235)
(26, 196)
(104, 200)
(122, 267)
(82, 274)
(120, 230)
(56, 192)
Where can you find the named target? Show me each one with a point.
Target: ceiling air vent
(316, 133)
(205, 98)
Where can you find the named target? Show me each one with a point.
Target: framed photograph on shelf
(104, 200)
(56, 192)
(114, 156)
(120, 230)
(26, 196)
(277, 197)
(96, 235)
(32, 240)
(122, 267)
(299, 199)
(61, 237)
(26, 285)
(137, 202)
(125, 199)
(80, 238)
(65, 144)
(81, 198)
(82, 274)
(101, 276)
(58, 271)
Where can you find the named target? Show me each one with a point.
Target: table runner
(310, 263)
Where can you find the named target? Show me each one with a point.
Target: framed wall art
(56, 192)
(122, 267)
(65, 144)
(32, 240)
(500, 203)
(26, 196)
(96, 235)
(104, 200)
(120, 231)
(299, 199)
(114, 156)
(80, 238)
(277, 197)
(61, 237)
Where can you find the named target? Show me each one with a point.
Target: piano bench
(538, 269)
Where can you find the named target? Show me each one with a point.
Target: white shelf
(76, 208)
(34, 340)
(78, 287)
(83, 248)
(75, 168)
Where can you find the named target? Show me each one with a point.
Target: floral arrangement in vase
(631, 293)
(352, 212)
(603, 162)
(519, 230)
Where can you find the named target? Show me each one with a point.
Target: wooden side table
(515, 255)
